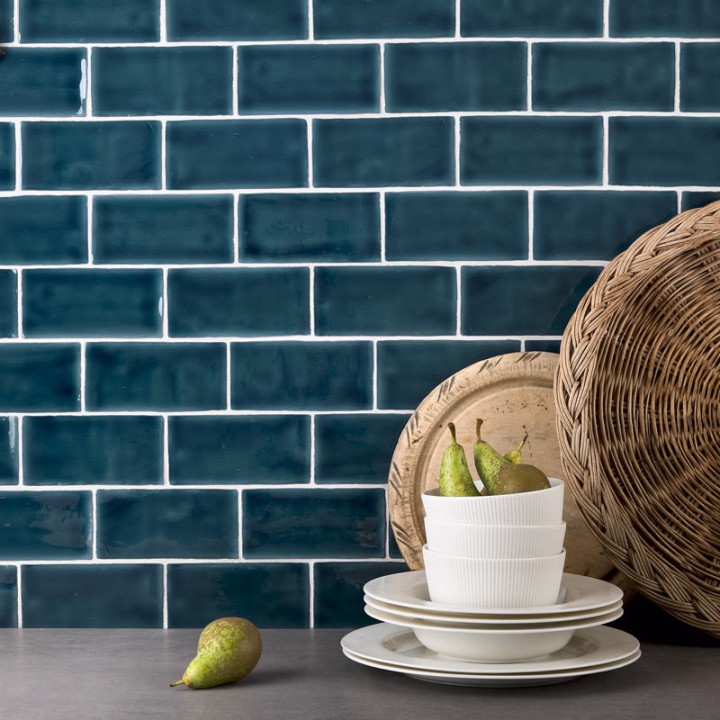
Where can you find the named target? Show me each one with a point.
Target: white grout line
(606, 19)
(313, 449)
(311, 576)
(88, 85)
(19, 301)
(165, 595)
(163, 154)
(18, 157)
(90, 202)
(383, 226)
(528, 77)
(458, 18)
(311, 295)
(311, 19)
(457, 141)
(374, 375)
(94, 522)
(166, 450)
(229, 487)
(165, 307)
(228, 375)
(230, 413)
(16, 21)
(236, 227)
(531, 225)
(606, 151)
(383, 102)
(83, 375)
(458, 301)
(163, 22)
(240, 522)
(310, 150)
(678, 52)
(679, 201)
(19, 577)
(235, 81)
(20, 451)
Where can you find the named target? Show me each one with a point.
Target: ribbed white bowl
(492, 583)
(540, 507)
(494, 541)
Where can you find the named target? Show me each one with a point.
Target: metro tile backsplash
(241, 241)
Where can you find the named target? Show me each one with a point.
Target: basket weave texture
(638, 414)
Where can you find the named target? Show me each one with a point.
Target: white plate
(409, 590)
(398, 647)
(482, 620)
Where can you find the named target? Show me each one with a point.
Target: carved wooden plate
(513, 394)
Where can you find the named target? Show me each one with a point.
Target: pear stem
(478, 425)
(452, 432)
(179, 682)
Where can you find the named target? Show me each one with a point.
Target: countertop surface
(114, 674)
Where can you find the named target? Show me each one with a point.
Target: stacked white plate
(491, 646)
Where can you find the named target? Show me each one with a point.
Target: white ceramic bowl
(498, 541)
(492, 583)
(493, 645)
(540, 507)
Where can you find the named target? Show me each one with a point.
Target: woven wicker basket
(638, 414)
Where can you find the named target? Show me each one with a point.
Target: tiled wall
(239, 242)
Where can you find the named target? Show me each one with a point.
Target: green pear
(455, 477)
(228, 649)
(515, 456)
(488, 461)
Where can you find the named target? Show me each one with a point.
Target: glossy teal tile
(430, 77)
(339, 591)
(664, 151)
(268, 594)
(302, 375)
(603, 76)
(268, 449)
(699, 68)
(595, 225)
(355, 448)
(7, 157)
(300, 523)
(322, 227)
(45, 230)
(91, 155)
(167, 524)
(122, 450)
(532, 18)
(8, 596)
(384, 18)
(665, 18)
(39, 378)
(254, 302)
(552, 346)
(8, 303)
(522, 300)
(387, 151)
(238, 20)
(408, 370)
(45, 525)
(92, 596)
(42, 81)
(309, 78)
(456, 226)
(531, 150)
(156, 376)
(237, 154)
(162, 229)
(6, 21)
(89, 20)
(162, 81)
(92, 303)
(385, 300)
(9, 443)
(692, 200)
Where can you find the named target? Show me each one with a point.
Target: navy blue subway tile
(7, 156)
(167, 523)
(691, 200)
(45, 525)
(156, 376)
(551, 346)
(89, 20)
(385, 300)
(92, 596)
(339, 591)
(302, 375)
(665, 18)
(7, 25)
(428, 77)
(309, 78)
(91, 155)
(449, 225)
(238, 153)
(531, 150)
(595, 225)
(268, 594)
(384, 18)
(246, 301)
(92, 303)
(42, 81)
(8, 303)
(388, 151)
(240, 449)
(522, 300)
(355, 448)
(408, 370)
(43, 229)
(162, 81)
(322, 227)
(664, 151)
(238, 20)
(9, 441)
(317, 523)
(699, 68)
(39, 378)
(603, 76)
(122, 450)
(162, 229)
(8, 597)
(394, 551)
(532, 18)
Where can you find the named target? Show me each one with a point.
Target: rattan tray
(638, 414)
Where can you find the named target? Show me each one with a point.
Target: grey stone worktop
(121, 674)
